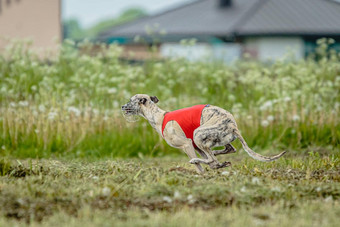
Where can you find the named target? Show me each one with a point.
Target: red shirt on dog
(188, 118)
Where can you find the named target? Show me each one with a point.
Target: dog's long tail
(253, 154)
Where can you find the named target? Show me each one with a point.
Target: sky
(90, 12)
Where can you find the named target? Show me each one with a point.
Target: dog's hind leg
(228, 149)
(206, 138)
(211, 160)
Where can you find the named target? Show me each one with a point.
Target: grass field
(299, 191)
(68, 157)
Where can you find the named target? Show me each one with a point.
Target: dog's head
(138, 104)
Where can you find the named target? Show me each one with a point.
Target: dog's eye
(142, 101)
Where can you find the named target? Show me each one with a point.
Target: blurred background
(274, 64)
(222, 29)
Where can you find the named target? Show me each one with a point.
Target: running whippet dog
(199, 128)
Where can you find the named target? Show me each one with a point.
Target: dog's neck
(155, 116)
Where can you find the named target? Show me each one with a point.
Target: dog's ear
(154, 99)
(142, 101)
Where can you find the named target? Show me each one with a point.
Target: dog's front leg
(190, 151)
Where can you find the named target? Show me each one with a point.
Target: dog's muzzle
(130, 114)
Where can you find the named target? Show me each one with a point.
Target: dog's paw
(225, 164)
(194, 161)
(220, 165)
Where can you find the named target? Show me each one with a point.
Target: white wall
(202, 51)
(273, 48)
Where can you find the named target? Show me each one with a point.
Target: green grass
(299, 191)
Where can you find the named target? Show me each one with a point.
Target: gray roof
(305, 17)
(244, 17)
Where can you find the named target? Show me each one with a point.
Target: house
(227, 29)
(39, 20)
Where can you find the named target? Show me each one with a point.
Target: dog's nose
(123, 107)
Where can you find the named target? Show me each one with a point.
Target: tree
(126, 16)
(72, 30)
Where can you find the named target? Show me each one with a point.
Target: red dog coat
(188, 118)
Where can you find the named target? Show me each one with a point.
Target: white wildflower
(106, 191)
(101, 76)
(95, 111)
(270, 118)
(69, 42)
(191, 199)
(21, 201)
(331, 41)
(231, 98)
(293, 131)
(23, 103)
(35, 113)
(3, 147)
(319, 108)
(52, 115)
(127, 94)
(36, 131)
(337, 79)
(266, 105)
(34, 88)
(264, 123)
(115, 104)
(276, 189)
(41, 108)
(167, 199)
(328, 199)
(177, 195)
(296, 118)
(225, 173)
(12, 104)
(255, 180)
(243, 189)
(336, 105)
(318, 189)
(95, 178)
(112, 90)
(3, 89)
(236, 108)
(287, 99)
(74, 110)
